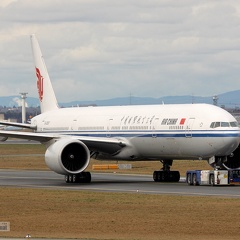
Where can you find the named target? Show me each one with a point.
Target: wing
(104, 145)
(20, 125)
(27, 135)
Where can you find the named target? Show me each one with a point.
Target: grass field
(93, 215)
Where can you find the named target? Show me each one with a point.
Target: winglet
(47, 98)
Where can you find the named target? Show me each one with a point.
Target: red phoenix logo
(39, 84)
(182, 121)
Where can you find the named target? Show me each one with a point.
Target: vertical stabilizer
(47, 98)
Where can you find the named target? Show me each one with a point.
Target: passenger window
(217, 124)
(224, 124)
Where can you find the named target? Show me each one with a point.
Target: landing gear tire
(166, 176)
(175, 176)
(74, 178)
(67, 178)
(155, 175)
(83, 177)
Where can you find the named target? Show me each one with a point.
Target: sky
(102, 49)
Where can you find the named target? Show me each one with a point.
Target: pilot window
(233, 124)
(223, 124)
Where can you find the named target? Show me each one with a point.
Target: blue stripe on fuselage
(161, 134)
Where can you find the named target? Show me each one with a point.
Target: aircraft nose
(230, 144)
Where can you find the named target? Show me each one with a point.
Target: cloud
(106, 48)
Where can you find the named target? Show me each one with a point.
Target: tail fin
(47, 96)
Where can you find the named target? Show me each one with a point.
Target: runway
(111, 182)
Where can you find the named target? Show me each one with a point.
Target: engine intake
(67, 156)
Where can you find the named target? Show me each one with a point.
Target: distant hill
(228, 99)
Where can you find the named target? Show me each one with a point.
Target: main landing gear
(165, 175)
(83, 177)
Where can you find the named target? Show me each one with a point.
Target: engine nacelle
(67, 156)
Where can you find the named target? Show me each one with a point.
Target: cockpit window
(233, 124)
(212, 125)
(223, 124)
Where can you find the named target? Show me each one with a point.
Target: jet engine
(67, 156)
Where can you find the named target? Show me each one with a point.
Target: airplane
(136, 133)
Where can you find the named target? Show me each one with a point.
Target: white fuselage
(179, 131)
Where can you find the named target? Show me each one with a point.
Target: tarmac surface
(111, 182)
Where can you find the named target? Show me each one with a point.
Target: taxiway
(111, 182)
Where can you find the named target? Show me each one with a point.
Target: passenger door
(189, 126)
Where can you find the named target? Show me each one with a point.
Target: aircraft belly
(183, 148)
